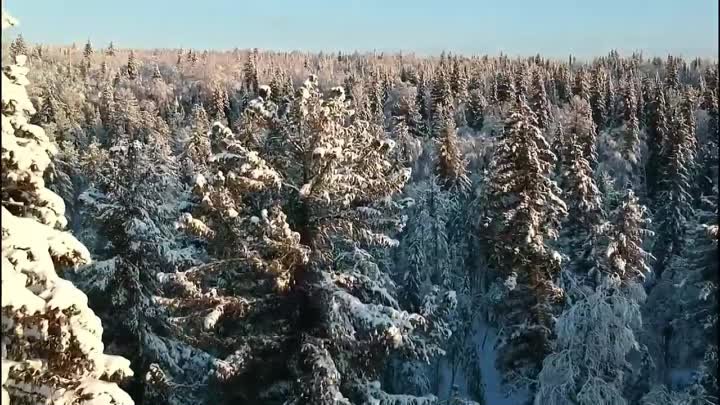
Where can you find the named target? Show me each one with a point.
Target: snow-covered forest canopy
(185, 226)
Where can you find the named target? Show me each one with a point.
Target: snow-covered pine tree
(526, 210)
(110, 49)
(52, 350)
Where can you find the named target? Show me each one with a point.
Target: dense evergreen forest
(186, 226)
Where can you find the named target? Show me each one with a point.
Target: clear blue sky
(515, 27)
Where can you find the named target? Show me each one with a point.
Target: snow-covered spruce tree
(595, 334)
(421, 100)
(610, 102)
(671, 73)
(294, 305)
(580, 233)
(132, 68)
(451, 166)
(642, 89)
(374, 90)
(525, 214)
(581, 126)
(156, 73)
(459, 82)
(132, 187)
(220, 104)
(107, 106)
(428, 266)
(581, 85)
(561, 78)
(689, 292)
(441, 94)
(110, 51)
(406, 109)
(52, 350)
(250, 73)
(630, 135)
(709, 158)
(598, 96)
(539, 101)
(88, 50)
(675, 207)
(441, 119)
(658, 133)
(627, 233)
(711, 87)
(409, 147)
(18, 47)
(521, 80)
(475, 110)
(505, 87)
(196, 150)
